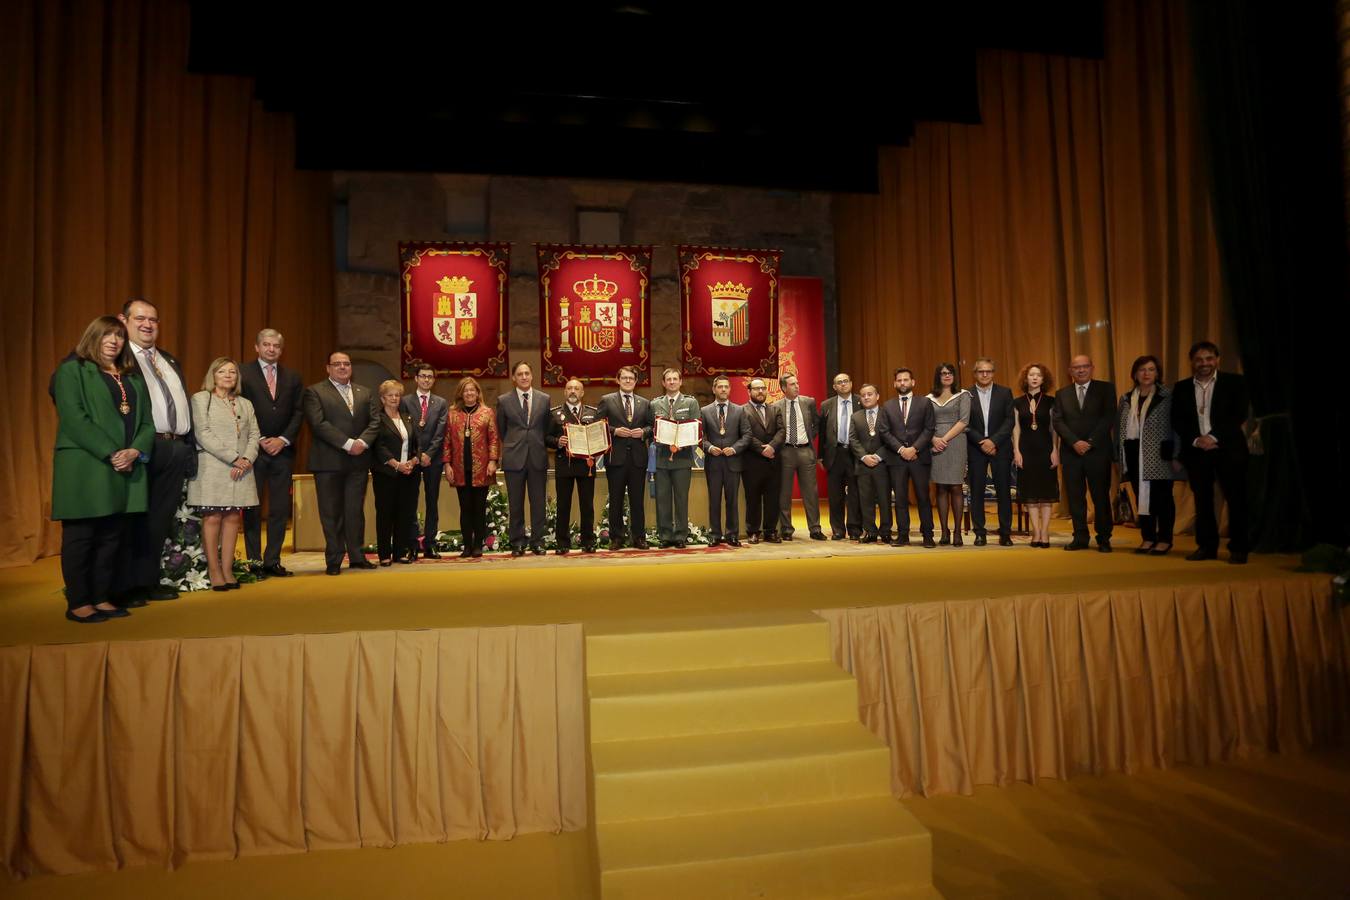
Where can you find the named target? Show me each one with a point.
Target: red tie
(424, 410)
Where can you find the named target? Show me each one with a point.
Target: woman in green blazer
(103, 439)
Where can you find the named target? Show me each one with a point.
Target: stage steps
(728, 762)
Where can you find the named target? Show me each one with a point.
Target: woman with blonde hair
(472, 449)
(1036, 449)
(227, 436)
(396, 456)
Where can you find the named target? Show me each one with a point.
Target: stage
(579, 711)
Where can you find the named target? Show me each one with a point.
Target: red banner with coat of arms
(455, 315)
(729, 311)
(593, 312)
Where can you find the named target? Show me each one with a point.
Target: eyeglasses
(984, 371)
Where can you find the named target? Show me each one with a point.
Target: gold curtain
(1073, 219)
(123, 175)
(160, 752)
(1048, 686)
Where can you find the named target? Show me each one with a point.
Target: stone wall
(376, 211)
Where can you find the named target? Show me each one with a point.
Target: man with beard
(572, 471)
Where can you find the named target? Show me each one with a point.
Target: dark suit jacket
(863, 444)
(189, 438)
(771, 434)
(1091, 422)
(917, 433)
(1000, 420)
(388, 443)
(1229, 406)
(806, 411)
(627, 451)
(829, 427)
(737, 436)
(280, 417)
(559, 418)
(523, 443)
(332, 426)
(430, 436)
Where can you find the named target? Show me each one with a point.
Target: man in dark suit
(1083, 414)
(522, 425)
(172, 461)
(275, 392)
(428, 412)
(344, 419)
(726, 434)
(1209, 414)
(990, 438)
(763, 472)
(907, 426)
(572, 471)
(801, 427)
(872, 478)
(841, 482)
(630, 426)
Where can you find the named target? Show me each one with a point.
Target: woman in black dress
(1036, 449)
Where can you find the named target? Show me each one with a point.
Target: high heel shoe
(1160, 549)
(231, 585)
(1145, 548)
(956, 540)
(220, 587)
(386, 563)
(946, 538)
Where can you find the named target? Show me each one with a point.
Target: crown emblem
(456, 285)
(595, 288)
(726, 289)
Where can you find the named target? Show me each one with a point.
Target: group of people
(130, 437)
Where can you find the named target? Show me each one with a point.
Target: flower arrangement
(183, 564)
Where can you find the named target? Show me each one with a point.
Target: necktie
(347, 396)
(844, 414)
(628, 406)
(871, 421)
(904, 409)
(792, 420)
(525, 404)
(1082, 392)
(763, 420)
(424, 410)
(170, 409)
(272, 380)
(721, 418)
(576, 418)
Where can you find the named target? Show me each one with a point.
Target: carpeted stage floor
(614, 590)
(1278, 826)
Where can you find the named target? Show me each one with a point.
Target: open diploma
(677, 435)
(587, 440)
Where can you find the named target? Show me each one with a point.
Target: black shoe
(1076, 545)
(666, 545)
(868, 539)
(333, 570)
(838, 537)
(616, 545)
(430, 553)
(946, 540)
(517, 551)
(562, 551)
(680, 545)
(786, 535)
(641, 544)
(1143, 549)
(715, 540)
(466, 553)
(231, 585)
(477, 552)
(900, 542)
(1237, 557)
(776, 539)
(1004, 540)
(384, 563)
(129, 602)
(113, 613)
(981, 540)
(255, 568)
(1198, 555)
(587, 548)
(95, 616)
(406, 560)
(733, 542)
(538, 549)
(818, 536)
(221, 588)
(277, 570)
(1103, 546)
(161, 592)
(361, 564)
(753, 537)
(929, 542)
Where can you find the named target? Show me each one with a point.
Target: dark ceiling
(700, 92)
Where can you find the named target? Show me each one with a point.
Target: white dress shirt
(1204, 402)
(985, 396)
(182, 413)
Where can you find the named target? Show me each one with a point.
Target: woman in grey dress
(227, 443)
(951, 415)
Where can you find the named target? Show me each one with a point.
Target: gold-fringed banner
(455, 310)
(729, 311)
(593, 312)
